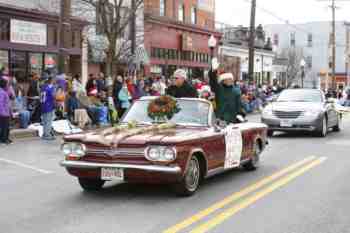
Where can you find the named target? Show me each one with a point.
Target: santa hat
(180, 73)
(225, 76)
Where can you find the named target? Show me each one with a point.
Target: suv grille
(287, 115)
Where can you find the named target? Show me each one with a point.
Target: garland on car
(113, 136)
(163, 108)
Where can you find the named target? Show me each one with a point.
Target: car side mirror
(217, 129)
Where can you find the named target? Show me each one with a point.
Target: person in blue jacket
(124, 99)
(47, 99)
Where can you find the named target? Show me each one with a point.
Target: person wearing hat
(227, 99)
(181, 88)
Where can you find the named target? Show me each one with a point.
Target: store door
(36, 63)
(19, 65)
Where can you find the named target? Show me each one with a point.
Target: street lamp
(302, 67)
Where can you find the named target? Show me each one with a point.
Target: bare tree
(112, 21)
(293, 56)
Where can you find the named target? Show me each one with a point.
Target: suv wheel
(323, 128)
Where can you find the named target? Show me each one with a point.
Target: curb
(23, 133)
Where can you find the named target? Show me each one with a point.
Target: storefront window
(162, 8)
(4, 30)
(35, 63)
(51, 62)
(52, 35)
(193, 15)
(19, 65)
(4, 59)
(181, 13)
(76, 39)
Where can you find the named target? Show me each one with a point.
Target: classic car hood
(295, 106)
(167, 136)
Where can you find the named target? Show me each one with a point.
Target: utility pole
(333, 40)
(64, 28)
(252, 42)
(347, 52)
(333, 45)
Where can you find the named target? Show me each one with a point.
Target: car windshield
(192, 113)
(300, 96)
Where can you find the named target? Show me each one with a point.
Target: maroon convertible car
(183, 155)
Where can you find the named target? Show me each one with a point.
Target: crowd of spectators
(102, 100)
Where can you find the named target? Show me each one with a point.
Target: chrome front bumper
(300, 124)
(149, 168)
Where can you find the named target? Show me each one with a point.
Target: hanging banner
(26, 32)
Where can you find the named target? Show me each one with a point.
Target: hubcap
(192, 175)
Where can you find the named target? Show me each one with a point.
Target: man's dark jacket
(185, 91)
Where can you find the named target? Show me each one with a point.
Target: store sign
(26, 32)
(206, 5)
(187, 42)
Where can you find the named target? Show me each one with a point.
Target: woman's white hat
(225, 76)
(180, 73)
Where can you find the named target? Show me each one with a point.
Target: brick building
(29, 40)
(176, 34)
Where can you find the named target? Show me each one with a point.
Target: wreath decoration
(163, 108)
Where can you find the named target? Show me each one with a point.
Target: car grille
(288, 115)
(112, 152)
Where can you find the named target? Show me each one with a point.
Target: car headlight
(160, 154)
(73, 149)
(311, 113)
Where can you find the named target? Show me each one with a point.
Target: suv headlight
(160, 154)
(312, 113)
(73, 149)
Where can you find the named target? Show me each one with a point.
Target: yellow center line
(248, 201)
(202, 214)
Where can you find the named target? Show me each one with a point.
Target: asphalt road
(302, 186)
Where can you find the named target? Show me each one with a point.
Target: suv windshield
(192, 112)
(300, 96)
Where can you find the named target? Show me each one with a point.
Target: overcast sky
(237, 12)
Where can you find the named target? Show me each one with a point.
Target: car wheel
(323, 129)
(254, 162)
(190, 183)
(270, 133)
(337, 128)
(91, 184)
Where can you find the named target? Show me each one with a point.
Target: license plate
(286, 123)
(112, 174)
